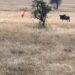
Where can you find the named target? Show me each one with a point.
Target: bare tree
(40, 10)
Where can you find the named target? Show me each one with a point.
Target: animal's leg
(69, 19)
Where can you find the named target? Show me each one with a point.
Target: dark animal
(64, 17)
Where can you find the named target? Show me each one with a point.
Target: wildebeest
(64, 17)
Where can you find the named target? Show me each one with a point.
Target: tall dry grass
(27, 50)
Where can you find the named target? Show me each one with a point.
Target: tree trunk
(57, 5)
(43, 24)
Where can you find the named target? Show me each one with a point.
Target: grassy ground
(27, 50)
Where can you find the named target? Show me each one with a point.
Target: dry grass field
(28, 50)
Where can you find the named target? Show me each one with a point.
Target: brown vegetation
(27, 50)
